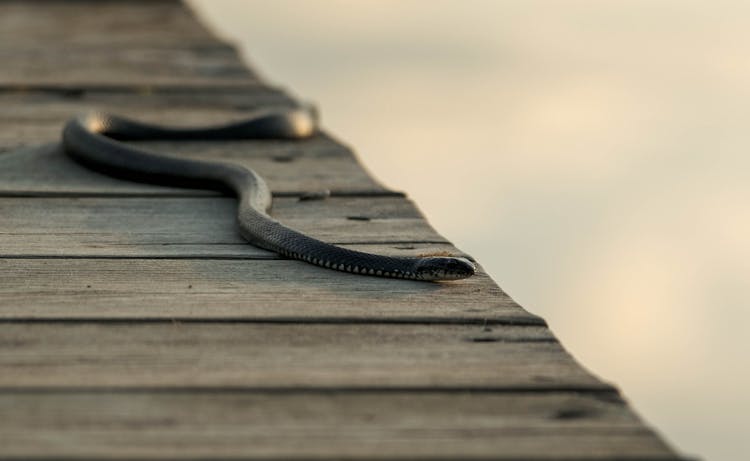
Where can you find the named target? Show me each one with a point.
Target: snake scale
(94, 140)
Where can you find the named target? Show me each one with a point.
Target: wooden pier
(136, 323)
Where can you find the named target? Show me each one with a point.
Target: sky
(591, 155)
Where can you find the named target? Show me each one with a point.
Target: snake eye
(444, 268)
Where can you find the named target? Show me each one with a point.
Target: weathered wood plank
(287, 356)
(232, 289)
(164, 65)
(288, 167)
(56, 97)
(35, 114)
(429, 425)
(174, 227)
(111, 42)
(100, 23)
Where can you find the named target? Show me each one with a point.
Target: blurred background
(592, 155)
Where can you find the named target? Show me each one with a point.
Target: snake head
(444, 268)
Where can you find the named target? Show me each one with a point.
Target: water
(592, 155)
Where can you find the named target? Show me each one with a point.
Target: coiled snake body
(93, 140)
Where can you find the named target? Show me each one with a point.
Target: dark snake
(94, 141)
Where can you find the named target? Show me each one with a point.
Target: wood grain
(231, 289)
(323, 425)
(98, 22)
(189, 227)
(56, 102)
(178, 65)
(111, 43)
(286, 356)
(94, 43)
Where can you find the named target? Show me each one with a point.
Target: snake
(96, 140)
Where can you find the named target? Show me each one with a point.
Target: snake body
(94, 141)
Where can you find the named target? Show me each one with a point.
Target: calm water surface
(593, 155)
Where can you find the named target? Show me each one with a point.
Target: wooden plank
(40, 107)
(174, 227)
(232, 289)
(99, 22)
(164, 65)
(287, 356)
(309, 425)
(288, 167)
(50, 97)
(105, 42)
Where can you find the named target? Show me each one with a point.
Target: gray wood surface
(323, 425)
(98, 42)
(204, 226)
(236, 289)
(36, 104)
(80, 23)
(136, 323)
(175, 65)
(287, 356)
